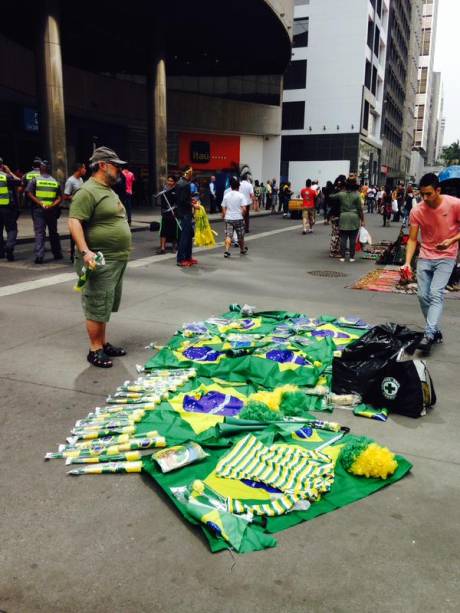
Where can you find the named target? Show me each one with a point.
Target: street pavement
(115, 544)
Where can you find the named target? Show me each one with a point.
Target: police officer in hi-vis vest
(45, 193)
(32, 174)
(8, 211)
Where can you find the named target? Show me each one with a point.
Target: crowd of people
(100, 219)
(38, 191)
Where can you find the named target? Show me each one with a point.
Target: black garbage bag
(362, 361)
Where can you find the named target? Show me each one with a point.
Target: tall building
(333, 90)
(423, 99)
(163, 83)
(415, 42)
(434, 127)
(395, 162)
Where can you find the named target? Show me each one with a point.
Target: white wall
(336, 56)
(252, 154)
(272, 158)
(324, 171)
(263, 156)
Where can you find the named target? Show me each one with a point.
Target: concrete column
(51, 91)
(157, 123)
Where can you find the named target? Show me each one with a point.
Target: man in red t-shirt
(308, 195)
(129, 178)
(437, 219)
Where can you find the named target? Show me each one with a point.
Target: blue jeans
(432, 278)
(184, 250)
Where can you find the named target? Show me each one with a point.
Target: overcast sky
(446, 61)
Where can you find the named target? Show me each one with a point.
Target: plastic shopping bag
(364, 236)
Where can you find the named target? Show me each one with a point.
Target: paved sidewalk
(141, 219)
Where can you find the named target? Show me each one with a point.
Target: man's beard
(110, 180)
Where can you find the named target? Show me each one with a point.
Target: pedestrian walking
(351, 218)
(45, 193)
(275, 196)
(257, 195)
(170, 227)
(380, 193)
(9, 211)
(268, 197)
(248, 192)
(408, 204)
(72, 185)
(184, 213)
(233, 210)
(387, 206)
(285, 195)
(371, 197)
(398, 203)
(129, 183)
(213, 194)
(263, 195)
(437, 219)
(327, 191)
(98, 222)
(308, 196)
(334, 216)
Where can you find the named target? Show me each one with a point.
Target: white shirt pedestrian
(232, 203)
(248, 192)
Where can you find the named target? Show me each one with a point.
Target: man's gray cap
(104, 154)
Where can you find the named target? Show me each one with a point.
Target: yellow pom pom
(317, 363)
(198, 487)
(273, 399)
(375, 461)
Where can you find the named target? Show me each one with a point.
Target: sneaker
(304, 232)
(193, 261)
(244, 252)
(9, 255)
(438, 338)
(227, 254)
(352, 259)
(235, 245)
(342, 260)
(425, 345)
(38, 260)
(184, 264)
(310, 231)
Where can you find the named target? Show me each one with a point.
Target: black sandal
(114, 352)
(99, 358)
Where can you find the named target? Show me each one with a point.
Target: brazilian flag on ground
(242, 387)
(259, 477)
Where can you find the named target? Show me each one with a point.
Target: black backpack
(402, 387)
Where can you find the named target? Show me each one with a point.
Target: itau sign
(200, 152)
(209, 152)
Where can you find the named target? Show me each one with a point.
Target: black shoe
(438, 338)
(38, 260)
(59, 256)
(425, 345)
(2, 255)
(10, 255)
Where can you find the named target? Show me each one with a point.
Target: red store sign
(209, 151)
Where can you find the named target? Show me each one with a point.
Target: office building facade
(333, 91)
(423, 100)
(399, 90)
(161, 84)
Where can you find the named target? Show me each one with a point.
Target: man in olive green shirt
(351, 218)
(97, 222)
